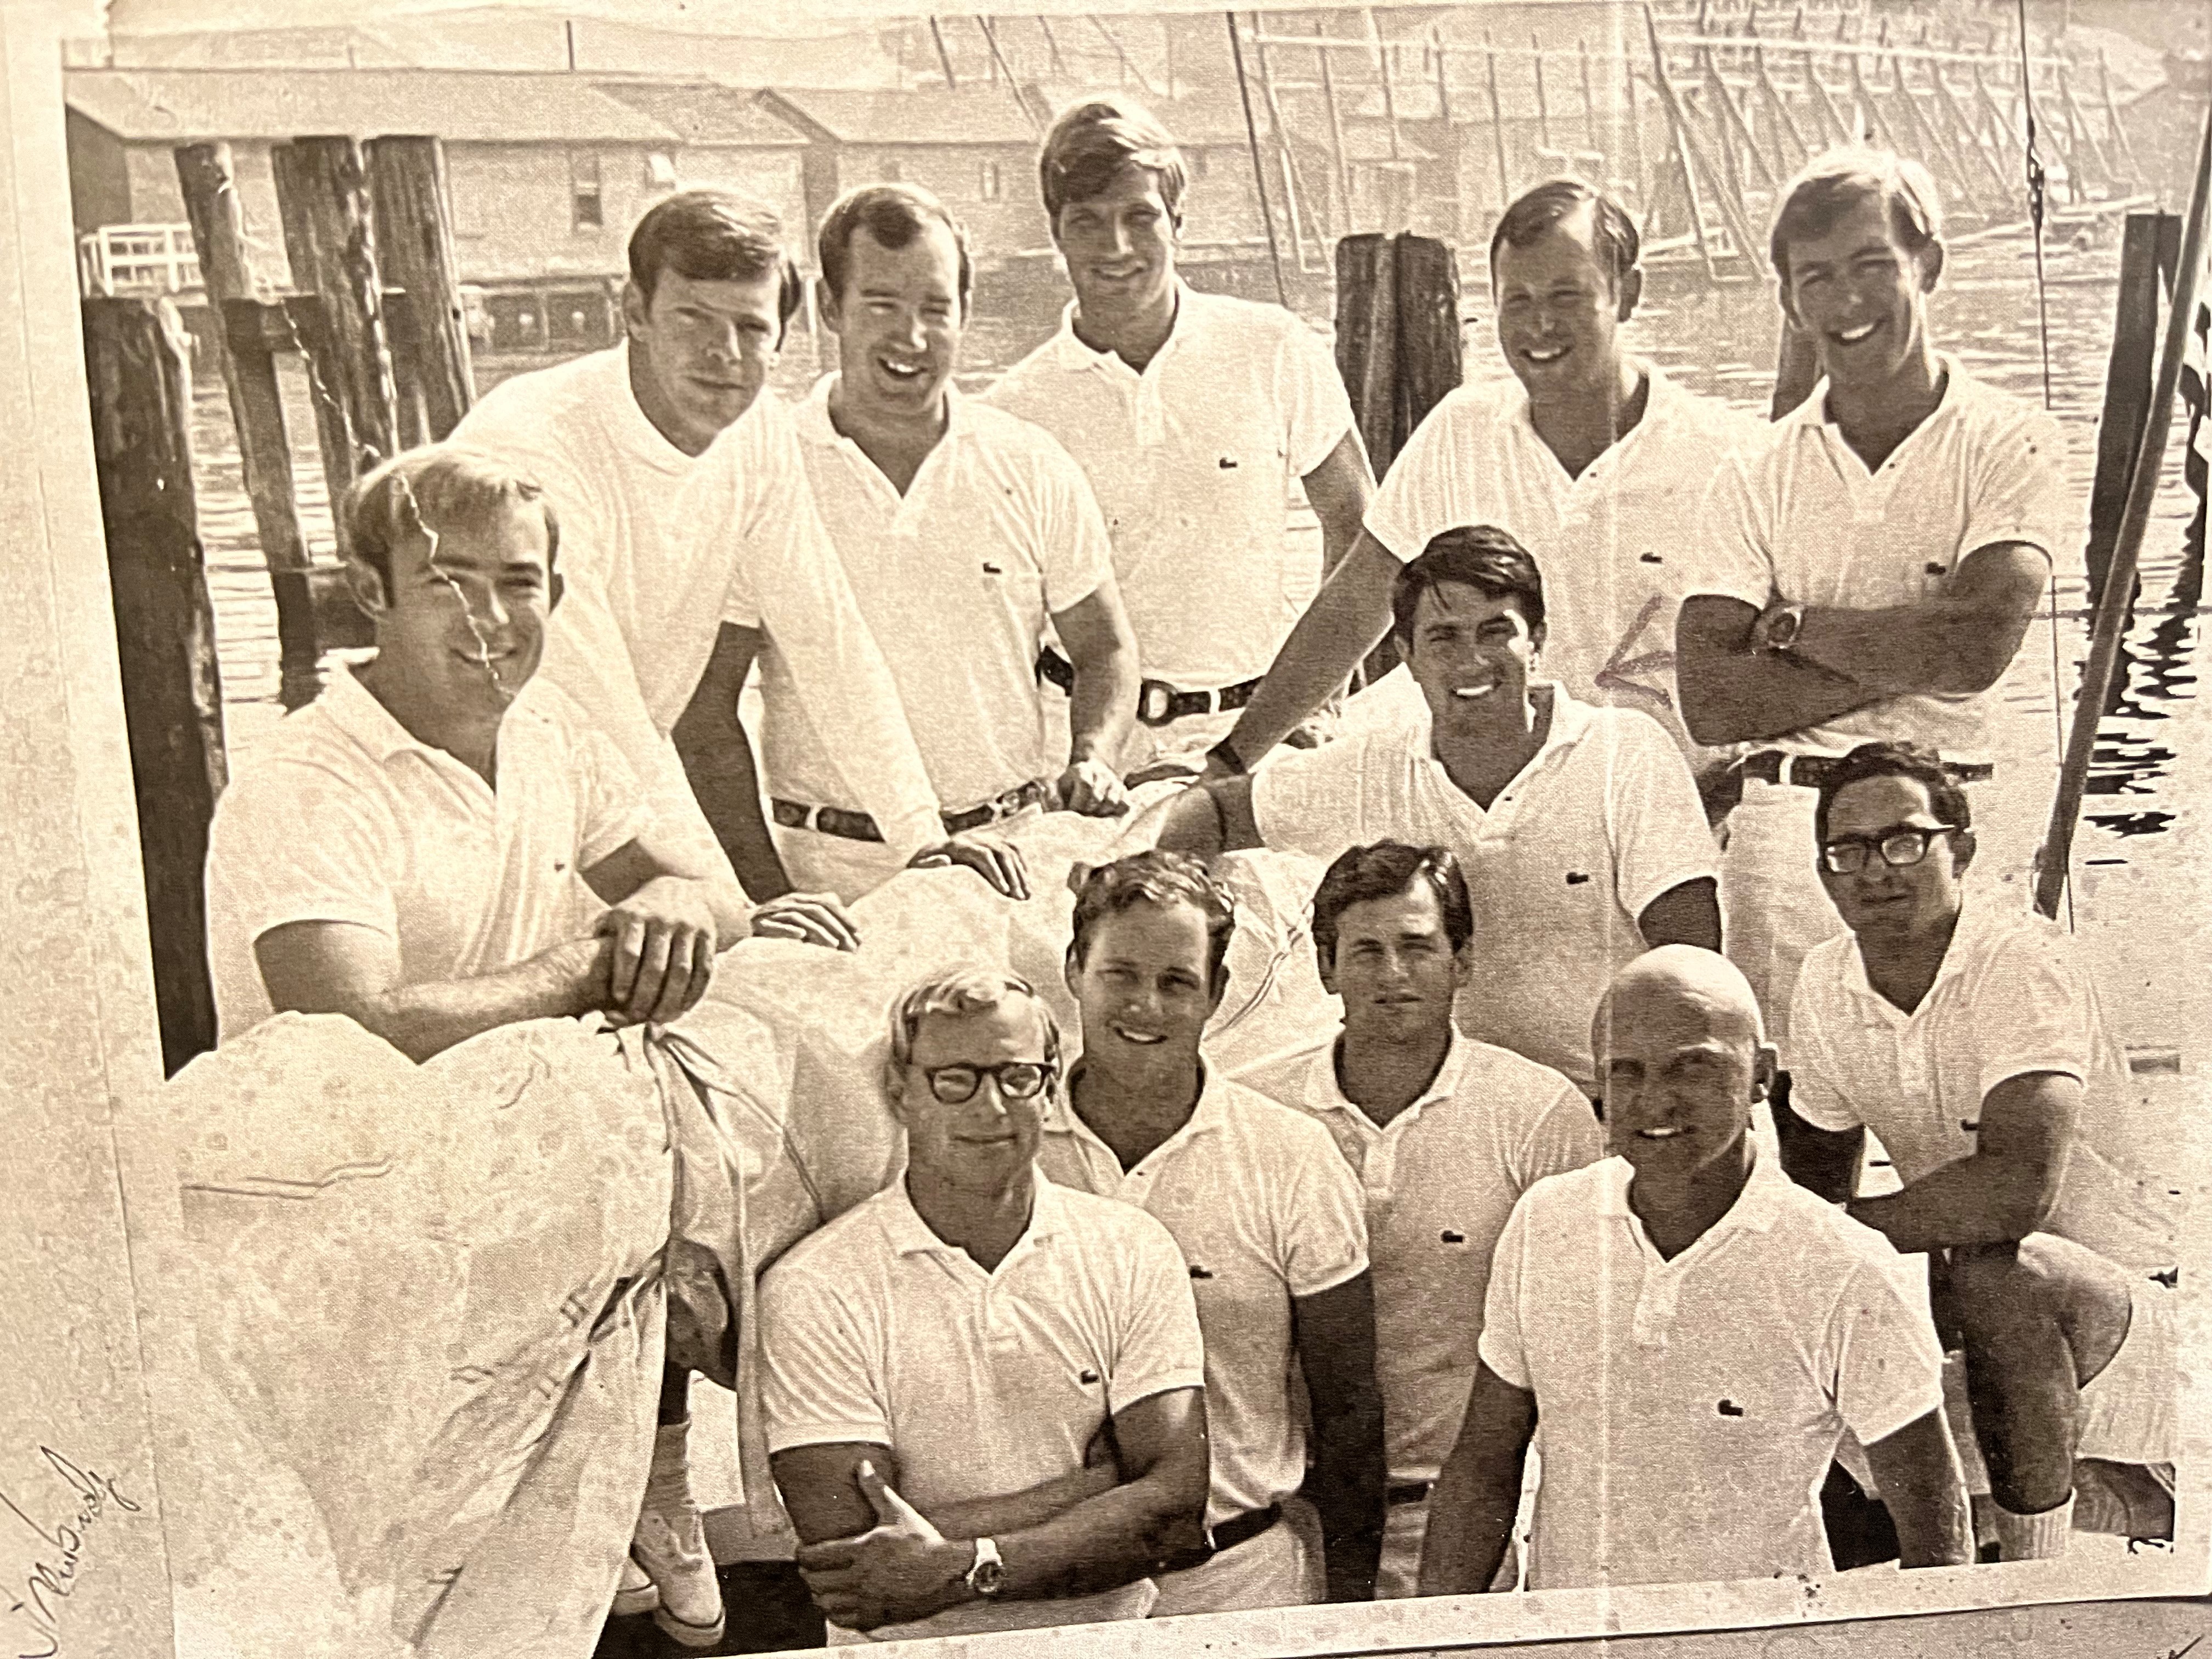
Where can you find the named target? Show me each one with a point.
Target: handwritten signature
(52, 1580)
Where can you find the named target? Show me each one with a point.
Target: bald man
(1693, 1331)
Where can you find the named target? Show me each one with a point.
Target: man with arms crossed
(1267, 1216)
(1964, 1034)
(1444, 1133)
(964, 533)
(1577, 829)
(984, 1392)
(1693, 1331)
(1594, 460)
(1878, 558)
(1191, 414)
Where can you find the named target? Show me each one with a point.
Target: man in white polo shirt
(1876, 562)
(1693, 1332)
(1269, 1220)
(1968, 1038)
(1594, 460)
(1018, 1363)
(1193, 415)
(1577, 830)
(966, 534)
(1444, 1133)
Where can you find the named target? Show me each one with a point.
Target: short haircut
(963, 993)
(1482, 556)
(1830, 185)
(1382, 870)
(1153, 877)
(892, 214)
(715, 236)
(1894, 760)
(1093, 139)
(428, 492)
(1613, 233)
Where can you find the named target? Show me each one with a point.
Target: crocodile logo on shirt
(1197, 1271)
(1228, 465)
(1729, 1409)
(1451, 1237)
(1088, 1376)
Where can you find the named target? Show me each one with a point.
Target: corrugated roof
(457, 105)
(979, 114)
(706, 113)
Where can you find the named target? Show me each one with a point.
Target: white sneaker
(636, 1593)
(670, 1545)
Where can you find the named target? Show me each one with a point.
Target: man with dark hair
(1873, 565)
(1191, 414)
(1591, 456)
(1965, 1036)
(1693, 1332)
(1268, 1219)
(984, 1394)
(1444, 1133)
(967, 534)
(1578, 829)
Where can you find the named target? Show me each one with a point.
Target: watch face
(1783, 632)
(989, 1578)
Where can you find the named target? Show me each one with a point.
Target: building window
(584, 212)
(659, 170)
(990, 181)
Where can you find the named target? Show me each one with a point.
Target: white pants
(817, 863)
(1281, 1568)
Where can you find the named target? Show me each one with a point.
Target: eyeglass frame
(1871, 846)
(1047, 1073)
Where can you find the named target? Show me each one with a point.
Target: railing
(139, 259)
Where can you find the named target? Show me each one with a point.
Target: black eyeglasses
(1901, 847)
(1018, 1079)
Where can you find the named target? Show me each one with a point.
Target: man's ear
(1631, 290)
(894, 1086)
(1789, 307)
(366, 586)
(1070, 970)
(1463, 965)
(825, 306)
(1931, 266)
(1326, 963)
(635, 319)
(1220, 989)
(1963, 846)
(1764, 1067)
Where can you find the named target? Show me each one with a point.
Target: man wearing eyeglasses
(985, 1393)
(1965, 1036)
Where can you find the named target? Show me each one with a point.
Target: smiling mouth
(1659, 1131)
(1470, 693)
(899, 371)
(1142, 1039)
(1853, 336)
(1544, 354)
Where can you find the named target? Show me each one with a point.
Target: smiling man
(1193, 415)
(1970, 1040)
(1693, 1331)
(1878, 558)
(966, 534)
(1578, 829)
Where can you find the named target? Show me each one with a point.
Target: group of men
(1647, 895)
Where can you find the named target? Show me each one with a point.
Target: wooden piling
(1543, 104)
(2077, 121)
(1645, 184)
(136, 366)
(1497, 129)
(1389, 81)
(2150, 244)
(322, 198)
(1341, 167)
(1689, 157)
(2114, 127)
(415, 249)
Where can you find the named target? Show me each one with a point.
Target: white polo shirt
(1193, 462)
(875, 1330)
(651, 541)
(958, 579)
(1800, 516)
(1689, 1409)
(1618, 547)
(1603, 819)
(340, 814)
(1264, 1212)
(2010, 999)
(1439, 1180)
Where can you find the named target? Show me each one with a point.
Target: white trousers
(1281, 1568)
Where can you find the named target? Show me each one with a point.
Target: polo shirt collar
(637, 431)
(1663, 401)
(1756, 1209)
(910, 1235)
(1572, 719)
(1975, 921)
(347, 704)
(1210, 1114)
(812, 419)
(1324, 1094)
(1077, 356)
(1812, 415)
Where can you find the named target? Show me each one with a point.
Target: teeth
(1142, 1037)
(1667, 1132)
(1547, 356)
(1471, 692)
(1853, 336)
(904, 371)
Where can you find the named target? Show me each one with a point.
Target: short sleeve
(818, 1373)
(1815, 1093)
(1660, 835)
(1324, 1231)
(1566, 1137)
(713, 506)
(1074, 548)
(1159, 1347)
(1311, 801)
(1501, 1345)
(1736, 532)
(2020, 492)
(2034, 1011)
(1887, 1365)
(1421, 494)
(615, 808)
(1317, 411)
(293, 842)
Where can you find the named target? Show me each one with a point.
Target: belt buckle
(1786, 773)
(1154, 699)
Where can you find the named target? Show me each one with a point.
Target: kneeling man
(1693, 1330)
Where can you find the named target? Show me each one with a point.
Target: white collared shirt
(1439, 1179)
(1603, 820)
(1264, 1212)
(2009, 999)
(1618, 547)
(1689, 1408)
(875, 1331)
(340, 814)
(1193, 462)
(1801, 518)
(958, 579)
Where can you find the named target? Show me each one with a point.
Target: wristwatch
(1782, 632)
(988, 1575)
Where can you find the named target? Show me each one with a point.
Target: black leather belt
(1237, 1529)
(1410, 1492)
(859, 826)
(1158, 703)
(1814, 771)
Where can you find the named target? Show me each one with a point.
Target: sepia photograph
(1119, 831)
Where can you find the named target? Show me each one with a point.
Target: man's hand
(1092, 788)
(900, 1568)
(664, 948)
(999, 863)
(809, 918)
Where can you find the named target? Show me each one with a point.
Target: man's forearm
(1470, 1525)
(1918, 1474)
(991, 1517)
(1949, 646)
(1114, 1537)
(1103, 707)
(718, 759)
(427, 1019)
(1339, 628)
(1346, 1486)
(1973, 1200)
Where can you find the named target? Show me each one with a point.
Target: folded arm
(1958, 641)
(2002, 1192)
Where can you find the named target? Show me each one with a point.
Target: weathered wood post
(415, 249)
(322, 198)
(2149, 247)
(135, 362)
(249, 372)
(1498, 125)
